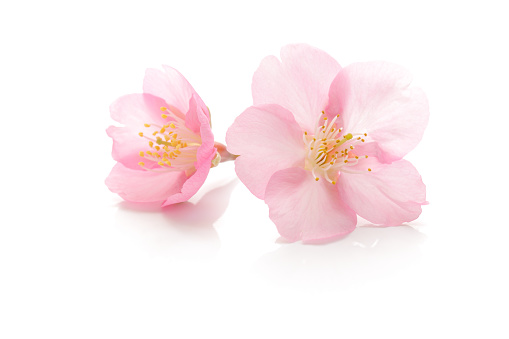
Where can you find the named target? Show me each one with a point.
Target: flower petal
(305, 209)
(144, 186)
(171, 86)
(134, 110)
(375, 97)
(299, 83)
(197, 114)
(204, 155)
(388, 195)
(193, 183)
(127, 145)
(268, 139)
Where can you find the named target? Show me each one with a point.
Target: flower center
(171, 147)
(330, 151)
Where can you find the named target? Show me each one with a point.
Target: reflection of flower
(322, 144)
(166, 148)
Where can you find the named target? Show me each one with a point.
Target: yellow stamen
(146, 125)
(163, 109)
(164, 116)
(141, 163)
(142, 154)
(369, 169)
(140, 134)
(172, 125)
(316, 179)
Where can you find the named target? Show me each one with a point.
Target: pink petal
(305, 209)
(388, 195)
(134, 110)
(127, 145)
(204, 155)
(268, 139)
(299, 83)
(144, 186)
(375, 97)
(193, 183)
(171, 86)
(196, 110)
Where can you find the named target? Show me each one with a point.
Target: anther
(140, 134)
(142, 154)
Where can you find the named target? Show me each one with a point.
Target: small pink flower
(323, 144)
(166, 149)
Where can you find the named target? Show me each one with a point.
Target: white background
(77, 262)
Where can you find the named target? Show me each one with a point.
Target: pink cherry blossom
(323, 144)
(166, 147)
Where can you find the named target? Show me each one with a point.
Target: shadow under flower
(369, 253)
(203, 213)
(182, 231)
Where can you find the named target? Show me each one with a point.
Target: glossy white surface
(77, 262)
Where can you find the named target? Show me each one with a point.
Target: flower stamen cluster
(330, 151)
(171, 146)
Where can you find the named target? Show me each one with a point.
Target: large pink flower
(166, 149)
(323, 144)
